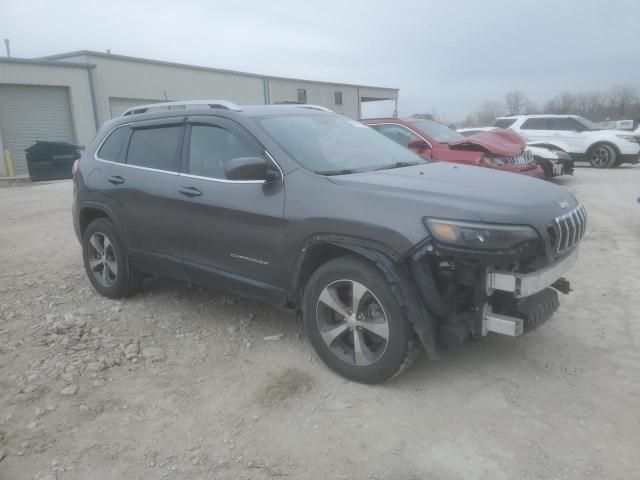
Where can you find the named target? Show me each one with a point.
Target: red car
(499, 149)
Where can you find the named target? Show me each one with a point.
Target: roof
(539, 115)
(195, 67)
(48, 63)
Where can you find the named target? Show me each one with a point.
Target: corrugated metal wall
(29, 113)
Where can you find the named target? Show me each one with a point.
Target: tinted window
(504, 122)
(154, 148)
(110, 149)
(210, 148)
(564, 123)
(534, 124)
(398, 134)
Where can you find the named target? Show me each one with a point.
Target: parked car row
(582, 139)
(553, 161)
(380, 249)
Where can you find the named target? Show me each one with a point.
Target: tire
(111, 274)
(601, 156)
(546, 167)
(335, 336)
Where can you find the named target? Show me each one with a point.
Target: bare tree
(516, 102)
(563, 103)
(621, 98)
(488, 112)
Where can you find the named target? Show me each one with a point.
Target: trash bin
(51, 160)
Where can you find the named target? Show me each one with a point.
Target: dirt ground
(179, 382)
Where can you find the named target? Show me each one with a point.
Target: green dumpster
(51, 160)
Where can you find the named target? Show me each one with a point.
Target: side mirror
(418, 144)
(250, 168)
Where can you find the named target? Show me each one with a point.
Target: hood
(505, 143)
(461, 192)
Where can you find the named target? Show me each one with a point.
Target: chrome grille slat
(570, 228)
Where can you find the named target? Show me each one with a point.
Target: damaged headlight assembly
(479, 236)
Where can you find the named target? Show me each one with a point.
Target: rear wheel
(354, 322)
(602, 156)
(106, 261)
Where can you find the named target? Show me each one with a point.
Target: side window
(155, 148)
(564, 123)
(210, 148)
(398, 134)
(111, 147)
(504, 122)
(534, 124)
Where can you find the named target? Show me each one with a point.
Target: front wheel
(354, 322)
(602, 156)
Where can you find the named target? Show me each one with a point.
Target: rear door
(537, 129)
(232, 231)
(142, 195)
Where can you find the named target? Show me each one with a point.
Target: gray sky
(448, 55)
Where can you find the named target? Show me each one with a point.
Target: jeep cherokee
(299, 207)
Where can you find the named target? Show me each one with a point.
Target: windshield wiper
(344, 171)
(397, 165)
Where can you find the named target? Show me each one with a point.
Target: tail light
(75, 168)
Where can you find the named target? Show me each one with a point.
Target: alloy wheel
(600, 157)
(352, 322)
(102, 259)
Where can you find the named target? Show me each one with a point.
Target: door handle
(190, 192)
(116, 180)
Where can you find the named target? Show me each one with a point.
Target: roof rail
(312, 107)
(225, 104)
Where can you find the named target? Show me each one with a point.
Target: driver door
(232, 230)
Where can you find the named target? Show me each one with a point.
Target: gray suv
(379, 249)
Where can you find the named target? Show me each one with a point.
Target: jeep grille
(569, 228)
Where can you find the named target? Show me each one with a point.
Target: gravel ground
(188, 383)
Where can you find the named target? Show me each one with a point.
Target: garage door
(120, 105)
(30, 113)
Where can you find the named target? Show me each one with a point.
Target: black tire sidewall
(612, 155)
(119, 287)
(400, 331)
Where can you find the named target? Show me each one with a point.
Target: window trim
(403, 126)
(216, 123)
(95, 154)
(184, 151)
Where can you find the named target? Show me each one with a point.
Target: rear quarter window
(504, 122)
(112, 146)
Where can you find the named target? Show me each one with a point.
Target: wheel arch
(323, 248)
(608, 143)
(90, 211)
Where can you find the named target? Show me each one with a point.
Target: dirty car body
(464, 251)
(501, 150)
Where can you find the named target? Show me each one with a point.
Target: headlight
(628, 138)
(484, 236)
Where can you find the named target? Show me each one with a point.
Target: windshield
(588, 124)
(332, 144)
(439, 132)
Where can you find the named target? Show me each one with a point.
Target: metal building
(66, 97)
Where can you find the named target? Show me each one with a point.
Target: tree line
(621, 102)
